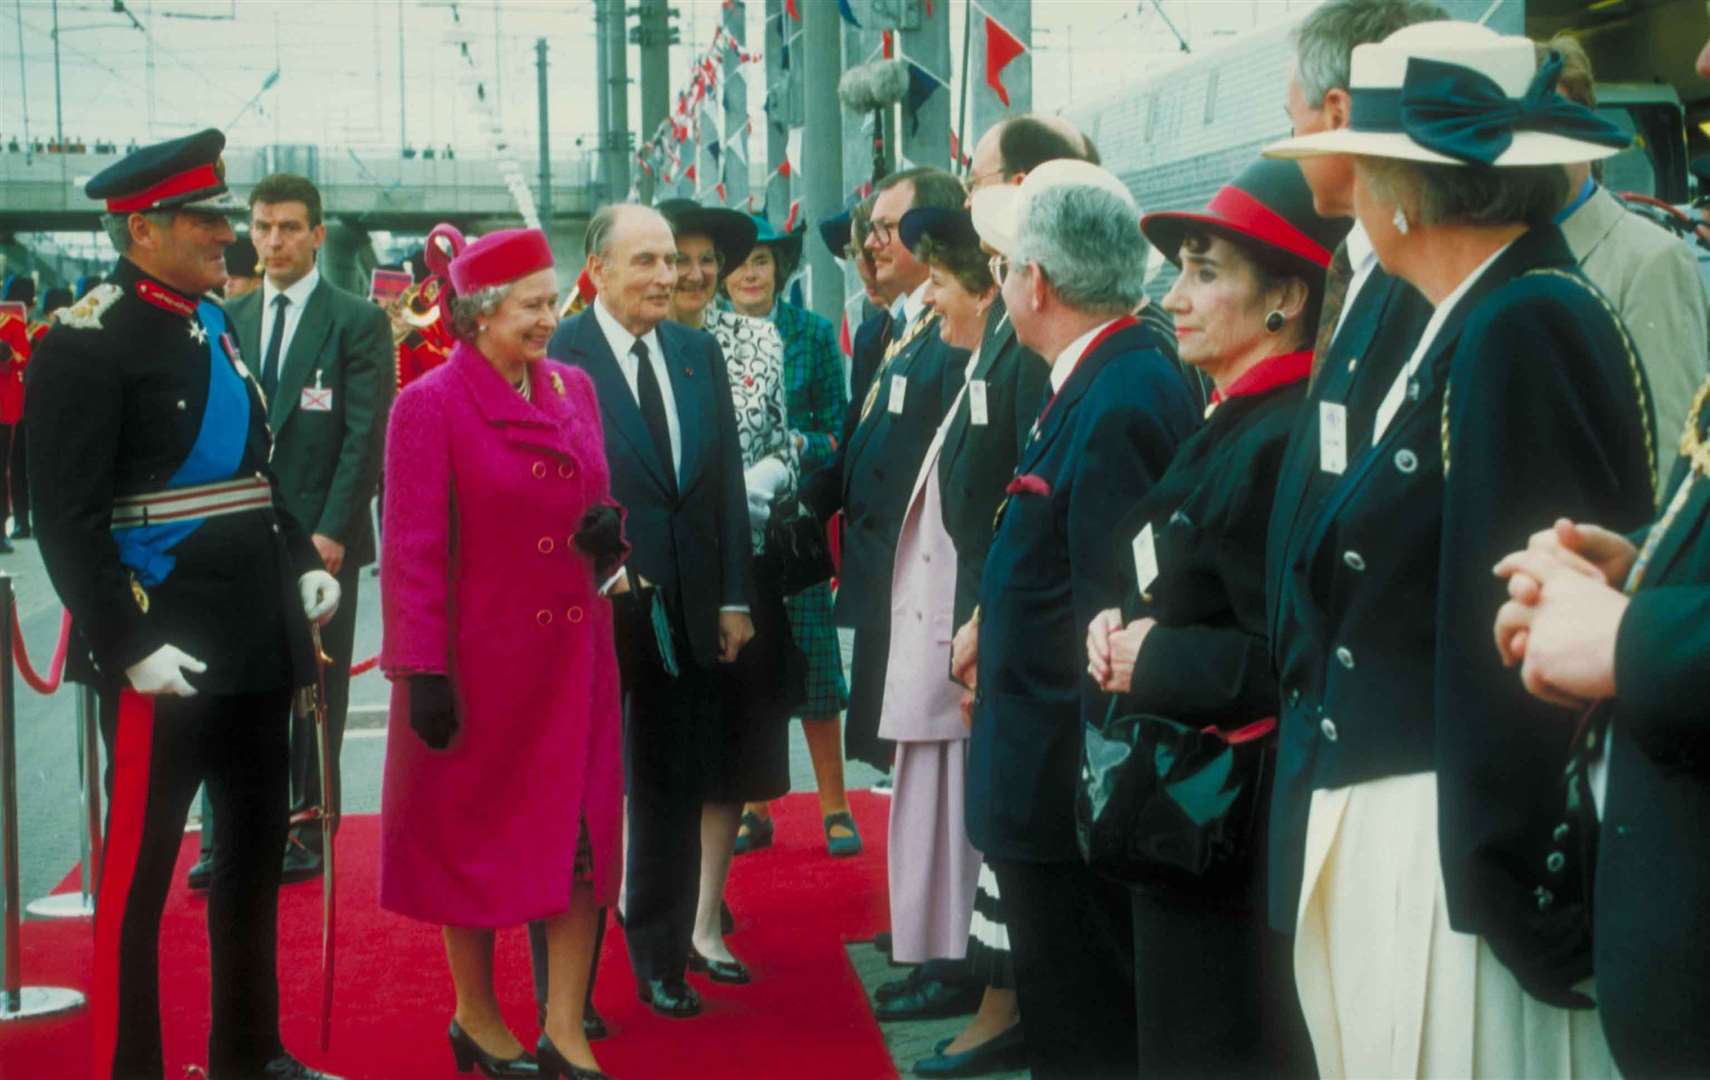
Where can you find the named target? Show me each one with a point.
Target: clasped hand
(1112, 649)
(1564, 611)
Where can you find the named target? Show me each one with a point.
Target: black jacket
(1105, 441)
(977, 460)
(688, 537)
(1529, 404)
(1653, 873)
(119, 391)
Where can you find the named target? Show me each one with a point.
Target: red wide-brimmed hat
(500, 258)
(1267, 205)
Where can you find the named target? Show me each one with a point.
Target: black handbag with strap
(1162, 802)
(797, 555)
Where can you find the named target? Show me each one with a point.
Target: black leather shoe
(593, 1024)
(1001, 1053)
(755, 834)
(5, 546)
(301, 864)
(908, 984)
(22, 532)
(933, 998)
(286, 1067)
(554, 1065)
(200, 874)
(882, 942)
(670, 997)
(469, 1056)
(719, 971)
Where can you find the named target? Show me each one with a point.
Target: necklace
(524, 388)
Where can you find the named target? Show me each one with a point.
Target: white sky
(199, 63)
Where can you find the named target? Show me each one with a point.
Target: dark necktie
(1336, 282)
(270, 364)
(652, 404)
(886, 326)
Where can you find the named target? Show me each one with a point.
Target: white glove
(162, 672)
(764, 480)
(319, 592)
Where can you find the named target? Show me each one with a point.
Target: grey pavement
(48, 799)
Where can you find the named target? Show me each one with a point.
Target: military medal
(198, 333)
(139, 594)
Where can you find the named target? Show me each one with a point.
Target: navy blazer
(877, 466)
(1529, 404)
(688, 534)
(977, 460)
(1109, 436)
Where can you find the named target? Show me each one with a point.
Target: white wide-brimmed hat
(997, 209)
(1457, 93)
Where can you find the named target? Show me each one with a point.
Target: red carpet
(804, 1015)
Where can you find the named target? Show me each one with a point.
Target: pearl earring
(1400, 220)
(1274, 321)
(482, 329)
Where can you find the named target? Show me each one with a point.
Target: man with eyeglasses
(891, 422)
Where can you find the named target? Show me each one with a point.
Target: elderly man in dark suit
(1073, 270)
(891, 423)
(676, 467)
(324, 359)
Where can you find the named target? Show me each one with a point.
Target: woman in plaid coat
(818, 397)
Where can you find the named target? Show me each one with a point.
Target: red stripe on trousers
(133, 747)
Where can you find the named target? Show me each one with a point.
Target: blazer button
(566, 470)
(574, 614)
(1328, 727)
(545, 545)
(1546, 899)
(1406, 461)
(543, 617)
(1354, 560)
(1352, 361)
(1294, 697)
(1345, 657)
(1554, 862)
(539, 470)
(1561, 833)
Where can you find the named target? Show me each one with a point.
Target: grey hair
(118, 227)
(598, 240)
(1467, 194)
(468, 311)
(1087, 241)
(1324, 41)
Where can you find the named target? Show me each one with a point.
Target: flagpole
(961, 143)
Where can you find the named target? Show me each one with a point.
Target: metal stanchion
(17, 1001)
(81, 904)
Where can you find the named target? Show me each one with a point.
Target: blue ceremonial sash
(215, 455)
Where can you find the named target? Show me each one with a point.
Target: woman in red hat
(503, 773)
(1214, 988)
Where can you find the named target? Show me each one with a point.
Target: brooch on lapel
(558, 383)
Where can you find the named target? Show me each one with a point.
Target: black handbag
(1162, 802)
(797, 556)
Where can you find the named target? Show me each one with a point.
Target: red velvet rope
(55, 669)
(365, 666)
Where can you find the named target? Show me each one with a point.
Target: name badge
(899, 390)
(1333, 437)
(1145, 558)
(977, 403)
(315, 399)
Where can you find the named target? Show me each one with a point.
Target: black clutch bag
(1160, 802)
(797, 555)
(642, 631)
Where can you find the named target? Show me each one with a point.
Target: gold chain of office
(1692, 443)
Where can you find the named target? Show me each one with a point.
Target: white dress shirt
(298, 297)
(1064, 365)
(1363, 258)
(912, 305)
(621, 341)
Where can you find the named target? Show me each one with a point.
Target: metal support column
(652, 34)
(822, 166)
(782, 106)
(926, 134)
(543, 201)
(81, 904)
(621, 142)
(733, 166)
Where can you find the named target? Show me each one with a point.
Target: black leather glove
(433, 710)
(600, 537)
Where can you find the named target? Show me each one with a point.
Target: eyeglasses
(975, 181)
(998, 266)
(881, 231)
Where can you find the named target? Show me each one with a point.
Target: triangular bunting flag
(848, 15)
(719, 188)
(1001, 48)
(921, 84)
(795, 12)
(790, 220)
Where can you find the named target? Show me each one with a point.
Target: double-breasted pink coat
(480, 580)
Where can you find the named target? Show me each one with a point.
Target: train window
(1211, 97)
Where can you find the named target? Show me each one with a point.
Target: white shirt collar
(619, 338)
(914, 302)
(1360, 250)
(1064, 365)
(299, 291)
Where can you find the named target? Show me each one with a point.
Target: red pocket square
(1028, 484)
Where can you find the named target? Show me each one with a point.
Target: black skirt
(759, 692)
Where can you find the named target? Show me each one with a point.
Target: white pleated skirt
(1388, 989)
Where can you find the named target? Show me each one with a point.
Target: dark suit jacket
(866, 350)
(1527, 406)
(977, 460)
(1653, 868)
(688, 534)
(873, 474)
(1110, 435)
(328, 462)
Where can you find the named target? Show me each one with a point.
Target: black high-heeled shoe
(470, 1056)
(554, 1065)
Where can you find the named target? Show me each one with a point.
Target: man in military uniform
(188, 583)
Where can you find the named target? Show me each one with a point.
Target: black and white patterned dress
(767, 682)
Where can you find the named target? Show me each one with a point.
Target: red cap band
(184, 183)
(500, 258)
(1248, 215)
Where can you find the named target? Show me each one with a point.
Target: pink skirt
(933, 868)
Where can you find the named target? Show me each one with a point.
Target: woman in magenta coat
(503, 770)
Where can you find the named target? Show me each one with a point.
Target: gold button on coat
(540, 470)
(545, 545)
(574, 614)
(567, 470)
(543, 617)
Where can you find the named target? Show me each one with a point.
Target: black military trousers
(159, 750)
